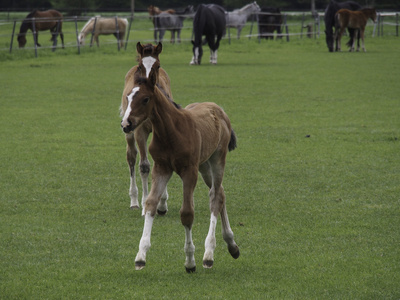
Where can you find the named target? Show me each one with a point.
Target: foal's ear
(158, 48)
(139, 48)
(152, 78)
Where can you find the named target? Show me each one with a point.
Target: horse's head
(140, 101)
(81, 39)
(197, 54)
(329, 40)
(148, 58)
(255, 7)
(21, 40)
(373, 15)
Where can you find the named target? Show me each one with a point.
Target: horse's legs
(141, 135)
(162, 32)
(239, 30)
(189, 178)
(355, 37)
(131, 153)
(160, 178)
(362, 38)
(179, 35)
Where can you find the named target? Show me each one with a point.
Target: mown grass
(312, 190)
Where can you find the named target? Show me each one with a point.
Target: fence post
(397, 24)
(286, 27)
(116, 28)
(93, 30)
(77, 35)
(302, 25)
(34, 35)
(12, 36)
(258, 26)
(55, 37)
(129, 30)
(229, 29)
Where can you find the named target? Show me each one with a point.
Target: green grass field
(313, 189)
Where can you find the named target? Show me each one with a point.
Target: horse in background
(330, 23)
(185, 141)
(104, 26)
(210, 21)
(154, 11)
(270, 20)
(355, 20)
(42, 20)
(172, 22)
(238, 18)
(148, 57)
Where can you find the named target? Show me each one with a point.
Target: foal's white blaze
(148, 63)
(129, 109)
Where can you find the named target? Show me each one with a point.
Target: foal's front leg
(160, 178)
(131, 153)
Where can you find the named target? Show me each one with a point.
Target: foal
(355, 20)
(185, 141)
(148, 58)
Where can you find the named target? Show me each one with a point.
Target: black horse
(330, 22)
(270, 20)
(210, 21)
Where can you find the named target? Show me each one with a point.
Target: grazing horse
(238, 18)
(355, 20)
(185, 141)
(40, 21)
(210, 21)
(104, 26)
(270, 20)
(148, 58)
(154, 11)
(330, 22)
(172, 22)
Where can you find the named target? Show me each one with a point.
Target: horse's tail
(232, 143)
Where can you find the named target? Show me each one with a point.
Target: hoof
(208, 264)
(161, 213)
(234, 251)
(191, 270)
(133, 207)
(139, 265)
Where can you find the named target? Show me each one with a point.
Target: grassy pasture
(312, 190)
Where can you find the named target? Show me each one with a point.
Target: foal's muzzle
(128, 128)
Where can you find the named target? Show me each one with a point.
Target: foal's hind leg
(131, 153)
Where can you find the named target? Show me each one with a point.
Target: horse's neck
(24, 27)
(163, 116)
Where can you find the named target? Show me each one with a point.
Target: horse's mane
(31, 14)
(87, 24)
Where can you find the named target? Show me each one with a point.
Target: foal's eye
(145, 101)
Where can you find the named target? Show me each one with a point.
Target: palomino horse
(210, 21)
(185, 141)
(356, 20)
(104, 26)
(330, 23)
(154, 11)
(148, 58)
(40, 21)
(238, 18)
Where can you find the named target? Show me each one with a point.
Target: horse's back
(208, 18)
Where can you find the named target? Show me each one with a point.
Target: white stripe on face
(148, 63)
(129, 109)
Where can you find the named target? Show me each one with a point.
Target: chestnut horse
(148, 58)
(355, 20)
(185, 141)
(40, 21)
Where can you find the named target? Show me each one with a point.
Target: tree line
(77, 7)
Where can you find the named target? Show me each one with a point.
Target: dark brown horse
(39, 21)
(355, 20)
(148, 58)
(185, 141)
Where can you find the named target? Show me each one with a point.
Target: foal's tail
(232, 143)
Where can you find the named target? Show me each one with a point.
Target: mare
(154, 11)
(355, 20)
(104, 26)
(148, 58)
(40, 21)
(238, 18)
(172, 22)
(210, 21)
(185, 141)
(270, 20)
(330, 12)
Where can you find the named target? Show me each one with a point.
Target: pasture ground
(312, 190)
